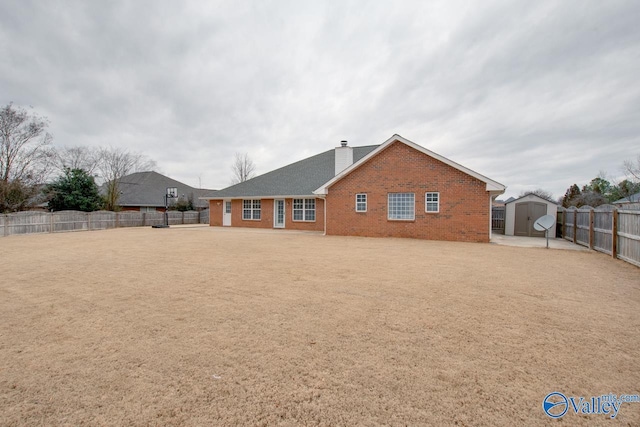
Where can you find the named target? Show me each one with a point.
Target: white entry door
(278, 213)
(226, 213)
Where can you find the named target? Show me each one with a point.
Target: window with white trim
(251, 209)
(304, 209)
(402, 206)
(361, 202)
(432, 202)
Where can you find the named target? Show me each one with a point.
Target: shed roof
(511, 199)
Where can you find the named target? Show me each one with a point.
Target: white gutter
(325, 216)
(297, 196)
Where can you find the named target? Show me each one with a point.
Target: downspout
(325, 216)
(490, 216)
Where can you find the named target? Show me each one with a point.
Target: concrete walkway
(496, 239)
(535, 242)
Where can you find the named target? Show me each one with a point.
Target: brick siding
(266, 215)
(464, 201)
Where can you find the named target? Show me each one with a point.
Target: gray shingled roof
(634, 198)
(297, 179)
(149, 188)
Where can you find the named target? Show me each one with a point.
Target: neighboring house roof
(634, 198)
(297, 179)
(149, 189)
(511, 199)
(40, 199)
(491, 185)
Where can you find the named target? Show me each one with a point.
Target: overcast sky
(533, 94)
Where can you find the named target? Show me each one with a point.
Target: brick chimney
(344, 157)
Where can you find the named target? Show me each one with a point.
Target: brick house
(396, 189)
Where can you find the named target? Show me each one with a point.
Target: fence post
(6, 225)
(50, 222)
(117, 219)
(182, 217)
(575, 226)
(591, 226)
(614, 234)
(144, 219)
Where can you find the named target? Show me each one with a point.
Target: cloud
(538, 94)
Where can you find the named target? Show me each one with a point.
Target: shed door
(537, 211)
(526, 214)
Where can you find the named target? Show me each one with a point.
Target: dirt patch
(211, 326)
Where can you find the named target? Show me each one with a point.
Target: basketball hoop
(172, 193)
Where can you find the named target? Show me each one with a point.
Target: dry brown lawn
(211, 326)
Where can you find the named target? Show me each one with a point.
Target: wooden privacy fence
(204, 216)
(58, 222)
(605, 229)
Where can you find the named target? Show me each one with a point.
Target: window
(361, 202)
(227, 207)
(402, 206)
(251, 209)
(147, 209)
(432, 202)
(304, 209)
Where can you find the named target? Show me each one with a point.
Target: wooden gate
(603, 229)
(583, 225)
(569, 224)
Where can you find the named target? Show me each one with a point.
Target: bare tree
(243, 168)
(540, 193)
(632, 169)
(80, 157)
(25, 156)
(113, 164)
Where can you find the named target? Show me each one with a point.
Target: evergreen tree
(625, 188)
(183, 204)
(571, 196)
(75, 190)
